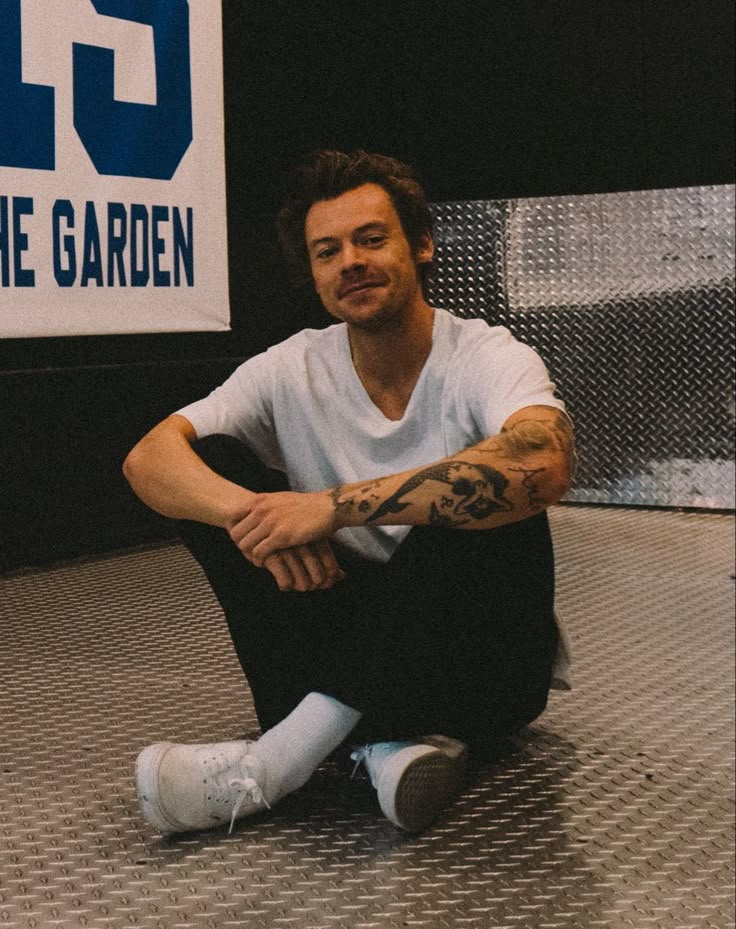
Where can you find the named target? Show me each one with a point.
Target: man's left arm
(505, 478)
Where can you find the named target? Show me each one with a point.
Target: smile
(357, 288)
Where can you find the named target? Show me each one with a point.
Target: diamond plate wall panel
(613, 811)
(629, 298)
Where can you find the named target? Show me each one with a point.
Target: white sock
(294, 748)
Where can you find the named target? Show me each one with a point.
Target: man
(367, 502)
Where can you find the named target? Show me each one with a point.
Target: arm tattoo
(531, 486)
(366, 491)
(477, 491)
(472, 491)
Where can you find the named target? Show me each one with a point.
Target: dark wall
(504, 99)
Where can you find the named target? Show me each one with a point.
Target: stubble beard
(388, 315)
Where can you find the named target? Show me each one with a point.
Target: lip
(357, 288)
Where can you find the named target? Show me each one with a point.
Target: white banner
(112, 167)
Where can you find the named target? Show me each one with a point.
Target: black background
(502, 99)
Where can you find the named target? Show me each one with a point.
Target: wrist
(234, 506)
(340, 508)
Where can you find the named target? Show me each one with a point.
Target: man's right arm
(167, 474)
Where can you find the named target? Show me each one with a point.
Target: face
(362, 264)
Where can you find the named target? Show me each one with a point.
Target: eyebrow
(361, 230)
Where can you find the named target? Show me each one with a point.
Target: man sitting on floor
(368, 503)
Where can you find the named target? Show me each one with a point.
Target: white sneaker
(414, 780)
(186, 787)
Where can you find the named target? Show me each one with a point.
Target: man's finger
(307, 567)
(248, 538)
(312, 564)
(280, 571)
(298, 571)
(333, 571)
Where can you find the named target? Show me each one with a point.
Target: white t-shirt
(302, 409)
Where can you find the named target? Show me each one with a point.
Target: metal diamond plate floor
(614, 810)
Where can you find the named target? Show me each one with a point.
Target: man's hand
(272, 522)
(306, 567)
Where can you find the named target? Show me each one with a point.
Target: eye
(375, 240)
(324, 253)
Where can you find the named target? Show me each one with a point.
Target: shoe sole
(425, 786)
(146, 775)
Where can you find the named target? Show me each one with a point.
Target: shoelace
(249, 789)
(359, 757)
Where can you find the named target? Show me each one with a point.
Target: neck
(394, 355)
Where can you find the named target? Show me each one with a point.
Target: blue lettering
(91, 250)
(116, 242)
(138, 244)
(24, 277)
(184, 247)
(27, 138)
(129, 251)
(159, 214)
(162, 132)
(4, 244)
(65, 276)
(11, 213)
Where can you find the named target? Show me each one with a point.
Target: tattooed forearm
(502, 479)
(360, 498)
(475, 491)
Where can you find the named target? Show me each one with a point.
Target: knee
(237, 462)
(218, 450)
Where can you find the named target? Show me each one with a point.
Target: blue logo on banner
(124, 139)
(26, 110)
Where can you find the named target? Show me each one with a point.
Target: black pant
(455, 634)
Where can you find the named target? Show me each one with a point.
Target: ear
(424, 251)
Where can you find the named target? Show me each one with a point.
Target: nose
(351, 258)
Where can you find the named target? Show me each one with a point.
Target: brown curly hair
(325, 175)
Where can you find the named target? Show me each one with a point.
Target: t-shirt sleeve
(241, 407)
(505, 376)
